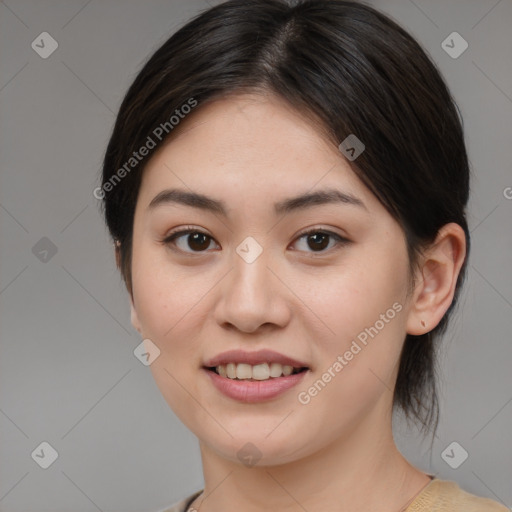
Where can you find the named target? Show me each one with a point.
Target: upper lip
(253, 358)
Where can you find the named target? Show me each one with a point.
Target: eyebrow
(300, 202)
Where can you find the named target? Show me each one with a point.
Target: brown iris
(320, 241)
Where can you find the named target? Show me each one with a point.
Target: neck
(358, 472)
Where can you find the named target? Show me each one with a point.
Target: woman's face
(248, 280)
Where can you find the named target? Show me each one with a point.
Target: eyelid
(340, 239)
(186, 230)
(183, 231)
(318, 229)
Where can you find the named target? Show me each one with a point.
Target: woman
(286, 187)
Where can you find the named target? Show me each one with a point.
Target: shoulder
(445, 495)
(181, 506)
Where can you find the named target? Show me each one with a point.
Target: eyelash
(171, 237)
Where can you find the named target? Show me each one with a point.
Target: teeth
(231, 371)
(243, 371)
(261, 372)
(287, 370)
(276, 369)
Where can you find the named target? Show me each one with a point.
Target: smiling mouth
(258, 372)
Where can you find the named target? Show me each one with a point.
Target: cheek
(368, 336)
(168, 304)
(165, 296)
(348, 300)
(364, 310)
(355, 366)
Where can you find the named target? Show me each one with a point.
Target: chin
(256, 448)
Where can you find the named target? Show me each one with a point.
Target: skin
(337, 452)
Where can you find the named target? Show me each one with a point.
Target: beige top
(436, 496)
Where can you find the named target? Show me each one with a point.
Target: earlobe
(134, 317)
(133, 313)
(117, 251)
(437, 279)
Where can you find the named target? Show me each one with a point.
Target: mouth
(255, 373)
(255, 376)
(254, 383)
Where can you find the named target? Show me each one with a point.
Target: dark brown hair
(348, 68)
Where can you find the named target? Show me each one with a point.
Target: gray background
(68, 375)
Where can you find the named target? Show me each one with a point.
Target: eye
(189, 240)
(318, 240)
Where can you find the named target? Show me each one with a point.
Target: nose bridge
(250, 295)
(250, 280)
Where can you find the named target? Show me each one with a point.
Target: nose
(252, 298)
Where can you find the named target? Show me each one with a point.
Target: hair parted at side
(351, 70)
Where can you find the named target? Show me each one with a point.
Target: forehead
(249, 145)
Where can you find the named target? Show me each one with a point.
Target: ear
(117, 253)
(133, 312)
(134, 317)
(436, 279)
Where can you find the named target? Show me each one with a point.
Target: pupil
(197, 238)
(319, 237)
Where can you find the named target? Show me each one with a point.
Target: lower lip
(249, 391)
